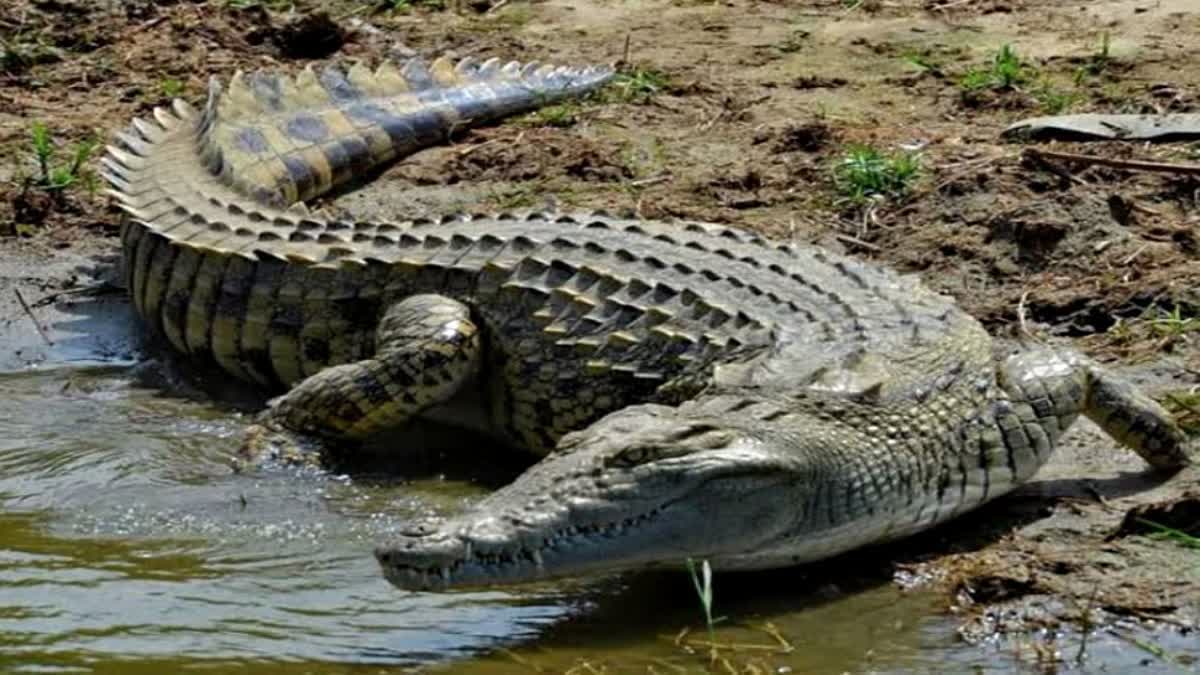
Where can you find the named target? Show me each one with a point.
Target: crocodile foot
(268, 445)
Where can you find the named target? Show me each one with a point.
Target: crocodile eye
(634, 456)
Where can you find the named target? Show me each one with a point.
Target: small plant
(639, 85)
(702, 582)
(1184, 406)
(1054, 101)
(61, 176)
(975, 80)
(1174, 324)
(923, 63)
(171, 88)
(866, 174)
(560, 115)
(1099, 61)
(1007, 71)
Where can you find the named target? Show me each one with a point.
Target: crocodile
(695, 390)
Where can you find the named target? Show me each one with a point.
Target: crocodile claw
(266, 445)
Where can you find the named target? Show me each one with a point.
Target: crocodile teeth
(537, 558)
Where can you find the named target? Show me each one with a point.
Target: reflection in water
(129, 546)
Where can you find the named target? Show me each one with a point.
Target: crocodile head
(648, 486)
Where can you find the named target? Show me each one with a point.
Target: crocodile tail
(282, 140)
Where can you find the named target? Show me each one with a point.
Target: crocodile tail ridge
(285, 139)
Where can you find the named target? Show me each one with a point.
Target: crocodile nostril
(419, 530)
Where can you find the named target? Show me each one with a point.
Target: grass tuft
(866, 174)
(1100, 60)
(559, 115)
(702, 582)
(1007, 71)
(171, 88)
(54, 176)
(639, 85)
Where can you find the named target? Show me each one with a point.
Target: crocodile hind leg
(427, 347)
(1047, 389)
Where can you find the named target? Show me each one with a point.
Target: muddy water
(127, 545)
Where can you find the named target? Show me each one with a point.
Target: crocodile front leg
(1048, 388)
(426, 348)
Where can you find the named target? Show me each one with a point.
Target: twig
(496, 7)
(1055, 169)
(738, 646)
(1135, 254)
(855, 241)
(652, 180)
(955, 3)
(1126, 164)
(29, 313)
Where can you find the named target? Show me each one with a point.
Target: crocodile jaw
(577, 512)
(458, 557)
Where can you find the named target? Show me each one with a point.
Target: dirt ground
(741, 112)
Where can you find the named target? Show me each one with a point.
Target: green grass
(865, 174)
(171, 88)
(1174, 324)
(1054, 101)
(558, 115)
(58, 176)
(702, 582)
(1184, 406)
(639, 85)
(1100, 60)
(1006, 71)
(923, 62)
(1164, 533)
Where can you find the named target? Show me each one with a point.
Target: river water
(127, 545)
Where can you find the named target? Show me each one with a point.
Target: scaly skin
(752, 479)
(701, 391)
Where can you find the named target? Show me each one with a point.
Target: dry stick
(1126, 164)
(496, 7)
(29, 313)
(855, 241)
(955, 3)
(652, 180)
(1057, 170)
